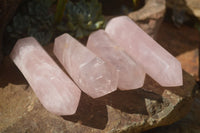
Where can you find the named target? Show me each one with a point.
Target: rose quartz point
(93, 75)
(131, 76)
(55, 90)
(155, 60)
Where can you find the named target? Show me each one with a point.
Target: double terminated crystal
(93, 75)
(155, 60)
(53, 87)
(131, 76)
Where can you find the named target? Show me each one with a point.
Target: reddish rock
(190, 62)
(183, 43)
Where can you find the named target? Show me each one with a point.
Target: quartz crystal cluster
(115, 58)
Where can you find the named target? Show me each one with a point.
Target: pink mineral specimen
(131, 76)
(55, 90)
(155, 60)
(93, 75)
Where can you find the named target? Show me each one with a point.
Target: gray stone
(189, 124)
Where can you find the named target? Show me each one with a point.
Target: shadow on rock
(93, 112)
(9, 73)
(132, 101)
(90, 112)
(182, 91)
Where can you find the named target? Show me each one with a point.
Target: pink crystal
(55, 90)
(131, 76)
(155, 60)
(94, 76)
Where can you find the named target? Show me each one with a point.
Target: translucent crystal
(155, 60)
(131, 76)
(55, 90)
(93, 75)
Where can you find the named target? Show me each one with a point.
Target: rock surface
(189, 124)
(190, 6)
(150, 16)
(121, 111)
(190, 57)
(183, 43)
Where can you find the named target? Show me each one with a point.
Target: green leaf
(99, 24)
(60, 9)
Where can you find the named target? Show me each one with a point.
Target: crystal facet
(55, 90)
(155, 60)
(131, 76)
(94, 76)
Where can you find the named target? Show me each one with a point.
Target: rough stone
(189, 124)
(192, 58)
(192, 7)
(183, 43)
(122, 111)
(150, 16)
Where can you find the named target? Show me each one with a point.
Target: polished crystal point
(93, 75)
(55, 90)
(155, 60)
(131, 76)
